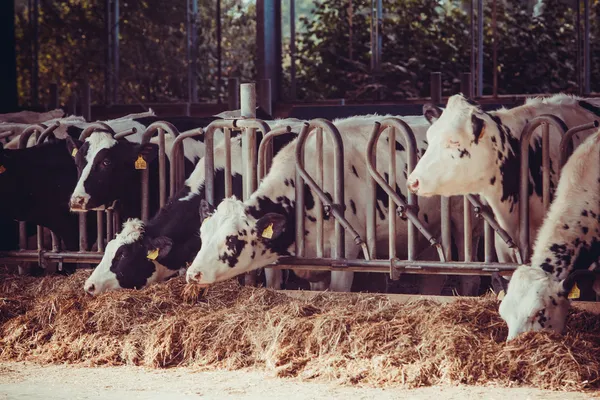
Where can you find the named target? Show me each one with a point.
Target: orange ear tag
(140, 163)
(268, 232)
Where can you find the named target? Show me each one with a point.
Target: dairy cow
(567, 245)
(478, 152)
(153, 251)
(239, 236)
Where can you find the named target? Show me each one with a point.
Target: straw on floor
(355, 338)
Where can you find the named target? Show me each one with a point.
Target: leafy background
(536, 51)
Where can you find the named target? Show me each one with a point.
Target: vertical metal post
(115, 49)
(378, 36)
(292, 49)
(586, 47)
(73, 104)
(191, 14)
(546, 166)
(391, 204)
(34, 21)
(466, 89)
(54, 102)
(350, 30)
(100, 228)
(372, 203)
(320, 182)
(472, 16)
(86, 110)
(436, 87)
(145, 182)
(578, 52)
(108, 53)
(248, 110)
(233, 88)
(162, 168)
(372, 26)
(268, 43)
(299, 244)
(219, 51)
(495, 48)
(264, 95)
(228, 178)
(480, 48)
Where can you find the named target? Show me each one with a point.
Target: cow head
(106, 168)
(234, 242)
(131, 261)
(460, 154)
(535, 300)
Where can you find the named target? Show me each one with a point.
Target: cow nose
(193, 277)
(90, 288)
(413, 185)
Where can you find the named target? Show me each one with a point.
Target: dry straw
(356, 338)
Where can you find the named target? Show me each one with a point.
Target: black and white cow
(239, 236)
(35, 185)
(172, 233)
(568, 243)
(472, 151)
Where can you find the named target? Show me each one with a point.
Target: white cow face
(535, 301)
(233, 242)
(460, 158)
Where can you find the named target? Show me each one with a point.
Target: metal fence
(257, 161)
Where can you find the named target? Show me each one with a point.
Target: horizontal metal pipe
(96, 126)
(33, 256)
(121, 135)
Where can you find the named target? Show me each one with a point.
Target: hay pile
(355, 339)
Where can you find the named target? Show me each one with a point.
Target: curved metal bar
(525, 139)
(262, 149)
(177, 172)
(209, 156)
(124, 134)
(47, 132)
(96, 126)
(338, 208)
(407, 208)
(155, 126)
(566, 144)
(30, 130)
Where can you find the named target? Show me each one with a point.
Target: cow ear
(73, 145)
(478, 127)
(148, 151)
(499, 284)
(205, 210)
(271, 226)
(583, 278)
(159, 248)
(431, 112)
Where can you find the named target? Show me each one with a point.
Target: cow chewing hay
(358, 339)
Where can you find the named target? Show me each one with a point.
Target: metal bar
(86, 106)
(40, 238)
(466, 85)
(350, 30)
(108, 53)
(409, 207)
(586, 47)
(162, 166)
(177, 171)
(371, 188)
(578, 52)
(480, 19)
(22, 235)
(145, 182)
(528, 130)
(219, 51)
(55, 242)
(34, 256)
(248, 110)
(373, 39)
(264, 95)
(300, 201)
(292, 49)
(495, 48)
(110, 222)
(466, 89)
(566, 143)
(93, 127)
(263, 166)
(100, 229)
(546, 166)
(228, 177)
(378, 33)
(436, 87)
(83, 236)
(320, 181)
(472, 17)
(47, 132)
(115, 49)
(27, 132)
(233, 89)
(338, 208)
(391, 204)
(35, 15)
(73, 104)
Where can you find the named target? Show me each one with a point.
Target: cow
(35, 184)
(31, 117)
(129, 260)
(568, 243)
(475, 152)
(239, 236)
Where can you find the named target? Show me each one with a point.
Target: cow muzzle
(78, 203)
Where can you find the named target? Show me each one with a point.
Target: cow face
(535, 301)
(233, 242)
(131, 261)
(459, 156)
(106, 169)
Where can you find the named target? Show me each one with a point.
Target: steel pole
(293, 49)
(115, 50)
(480, 48)
(219, 51)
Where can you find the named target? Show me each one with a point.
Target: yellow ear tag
(2, 169)
(501, 295)
(268, 232)
(74, 152)
(140, 163)
(152, 254)
(575, 293)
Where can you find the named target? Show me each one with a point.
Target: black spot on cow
(265, 205)
(509, 172)
(547, 267)
(494, 139)
(235, 246)
(426, 218)
(355, 172)
(493, 180)
(309, 200)
(311, 218)
(399, 146)
(584, 213)
(565, 226)
(590, 107)
(584, 229)
(553, 300)
(353, 206)
(477, 125)
(463, 153)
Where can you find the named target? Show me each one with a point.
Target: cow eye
(106, 162)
